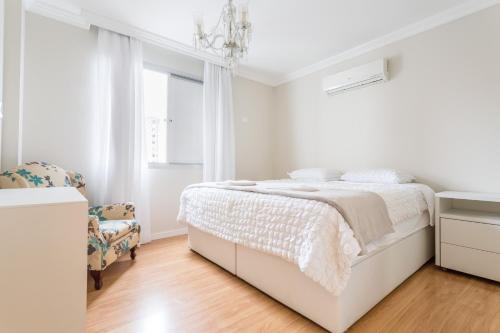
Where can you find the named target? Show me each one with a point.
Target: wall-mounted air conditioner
(374, 72)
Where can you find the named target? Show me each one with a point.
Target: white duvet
(308, 233)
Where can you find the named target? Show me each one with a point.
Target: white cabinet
(468, 233)
(43, 260)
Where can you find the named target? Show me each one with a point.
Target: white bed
(372, 276)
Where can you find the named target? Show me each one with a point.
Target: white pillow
(315, 174)
(383, 176)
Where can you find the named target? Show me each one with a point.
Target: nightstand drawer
(479, 236)
(471, 261)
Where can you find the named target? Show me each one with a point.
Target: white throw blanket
(364, 211)
(308, 233)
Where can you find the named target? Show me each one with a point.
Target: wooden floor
(171, 289)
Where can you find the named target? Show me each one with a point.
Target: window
(155, 107)
(174, 119)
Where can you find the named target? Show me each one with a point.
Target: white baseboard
(169, 233)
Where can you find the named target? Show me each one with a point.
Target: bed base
(371, 280)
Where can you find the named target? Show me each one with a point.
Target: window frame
(181, 75)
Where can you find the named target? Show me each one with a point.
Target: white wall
(60, 92)
(253, 104)
(13, 66)
(438, 116)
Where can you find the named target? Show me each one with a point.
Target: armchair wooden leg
(97, 276)
(132, 253)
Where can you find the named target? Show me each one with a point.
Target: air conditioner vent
(374, 72)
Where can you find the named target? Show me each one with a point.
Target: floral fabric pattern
(112, 229)
(34, 174)
(121, 211)
(76, 179)
(108, 244)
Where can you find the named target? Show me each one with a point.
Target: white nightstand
(468, 233)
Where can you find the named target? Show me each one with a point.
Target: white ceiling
(288, 34)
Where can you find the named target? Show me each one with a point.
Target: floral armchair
(112, 229)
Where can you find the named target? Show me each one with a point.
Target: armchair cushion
(120, 211)
(115, 229)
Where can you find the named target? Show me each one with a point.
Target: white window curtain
(120, 171)
(218, 127)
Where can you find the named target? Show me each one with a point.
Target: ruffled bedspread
(311, 234)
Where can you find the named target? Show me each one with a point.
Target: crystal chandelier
(229, 38)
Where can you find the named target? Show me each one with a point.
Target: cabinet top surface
(477, 196)
(39, 196)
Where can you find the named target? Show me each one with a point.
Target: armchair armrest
(97, 246)
(94, 232)
(120, 211)
(77, 180)
(93, 224)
